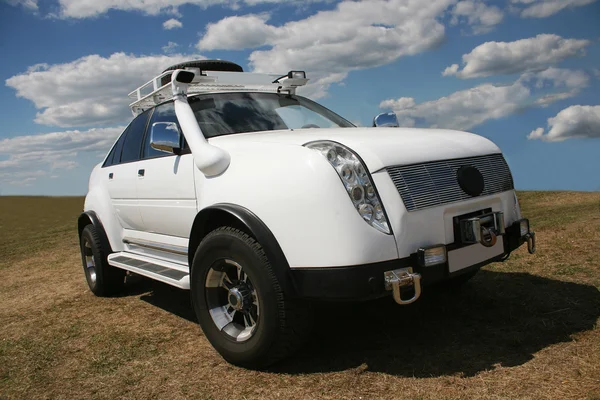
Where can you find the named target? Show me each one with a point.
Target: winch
(483, 229)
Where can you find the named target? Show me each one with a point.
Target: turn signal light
(524, 227)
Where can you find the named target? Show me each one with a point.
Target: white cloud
(398, 104)
(30, 4)
(329, 44)
(467, 108)
(546, 8)
(572, 122)
(551, 78)
(34, 156)
(170, 47)
(172, 24)
(558, 77)
(90, 90)
(463, 109)
(451, 70)
(536, 133)
(495, 58)
(546, 100)
(238, 32)
(94, 8)
(481, 17)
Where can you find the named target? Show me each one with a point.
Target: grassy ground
(526, 328)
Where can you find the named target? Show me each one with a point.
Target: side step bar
(170, 273)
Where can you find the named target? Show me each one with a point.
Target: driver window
(163, 113)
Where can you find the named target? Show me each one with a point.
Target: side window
(133, 141)
(163, 113)
(115, 154)
(109, 158)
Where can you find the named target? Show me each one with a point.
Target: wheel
(239, 302)
(103, 279)
(204, 65)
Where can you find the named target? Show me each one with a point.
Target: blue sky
(523, 73)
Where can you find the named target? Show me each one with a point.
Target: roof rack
(152, 92)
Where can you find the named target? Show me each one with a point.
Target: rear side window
(115, 154)
(133, 140)
(109, 159)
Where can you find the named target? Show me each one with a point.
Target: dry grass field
(527, 328)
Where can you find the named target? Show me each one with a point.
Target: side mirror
(386, 120)
(164, 136)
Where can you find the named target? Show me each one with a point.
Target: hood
(379, 147)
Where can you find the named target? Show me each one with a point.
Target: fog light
(432, 256)
(524, 227)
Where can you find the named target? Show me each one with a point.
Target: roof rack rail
(153, 92)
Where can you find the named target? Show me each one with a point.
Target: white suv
(260, 202)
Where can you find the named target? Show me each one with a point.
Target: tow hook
(403, 278)
(530, 237)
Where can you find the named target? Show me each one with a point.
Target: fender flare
(240, 217)
(90, 217)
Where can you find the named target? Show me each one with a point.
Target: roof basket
(153, 92)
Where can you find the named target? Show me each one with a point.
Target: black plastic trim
(513, 237)
(91, 216)
(364, 282)
(257, 229)
(358, 282)
(185, 77)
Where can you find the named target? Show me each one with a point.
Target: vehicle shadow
(497, 318)
(161, 295)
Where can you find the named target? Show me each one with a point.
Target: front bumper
(364, 282)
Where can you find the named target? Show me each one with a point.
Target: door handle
(110, 176)
(141, 172)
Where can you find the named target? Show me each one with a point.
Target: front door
(166, 191)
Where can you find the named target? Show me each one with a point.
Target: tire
(204, 65)
(281, 325)
(103, 279)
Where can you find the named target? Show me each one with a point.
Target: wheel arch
(225, 214)
(90, 217)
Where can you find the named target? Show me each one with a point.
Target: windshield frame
(302, 101)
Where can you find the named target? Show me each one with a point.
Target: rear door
(122, 173)
(166, 191)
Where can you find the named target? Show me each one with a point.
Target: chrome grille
(434, 183)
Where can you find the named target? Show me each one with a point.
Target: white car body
(161, 206)
(280, 188)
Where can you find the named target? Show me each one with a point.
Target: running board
(170, 273)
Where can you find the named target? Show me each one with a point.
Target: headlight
(357, 182)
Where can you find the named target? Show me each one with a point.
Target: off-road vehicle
(262, 203)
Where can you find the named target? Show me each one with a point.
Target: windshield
(228, 113)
